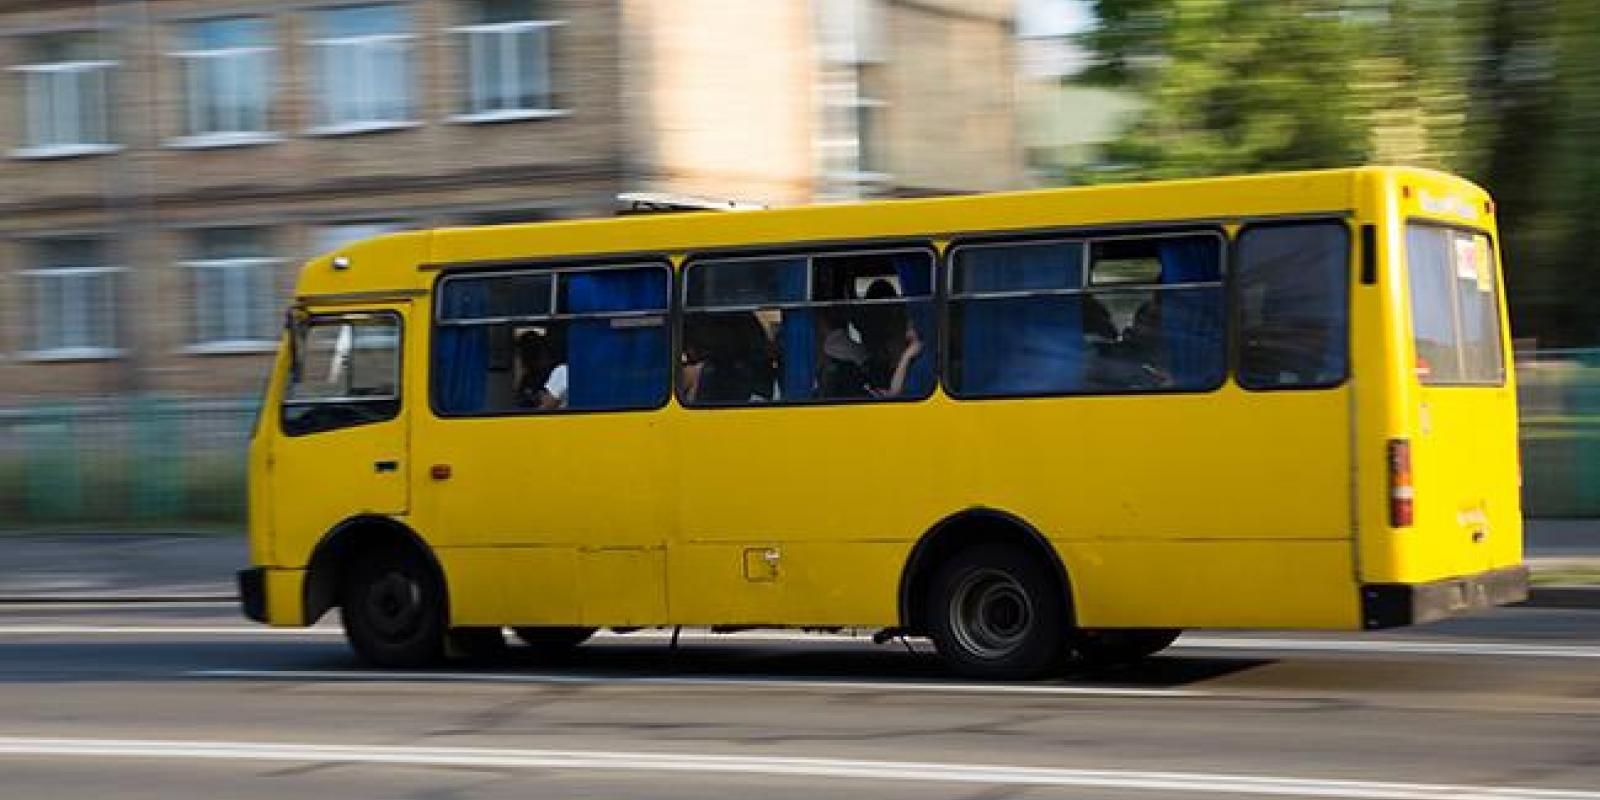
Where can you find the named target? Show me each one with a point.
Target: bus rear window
(1455, 307)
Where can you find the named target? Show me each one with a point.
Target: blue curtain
(617, 363)
(916, 284)
(1192, 319)
(461, 352)
(797, 336)
(1024, 345)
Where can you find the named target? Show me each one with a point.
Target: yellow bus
(1031, 426)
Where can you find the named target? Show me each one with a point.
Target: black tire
(999, 613)
(393, 608)
(549, 640)
(1111, 646)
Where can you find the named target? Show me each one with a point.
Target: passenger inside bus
(543, 382)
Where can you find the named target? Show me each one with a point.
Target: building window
(233, 288)
(362, 55)
(853, 48)
(829, 327)
(507, 60)
(226, 67)
(72, 300)
(586, 339)
(1112, 315)
(64, 86)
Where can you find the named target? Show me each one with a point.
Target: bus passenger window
(1293, 306)
(842, 327)
(1028, 318)
(590, 338)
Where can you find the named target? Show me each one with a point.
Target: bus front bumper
(272, 595)
(253, 593)
(1391, 605)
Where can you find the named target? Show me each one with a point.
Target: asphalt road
(189, 701)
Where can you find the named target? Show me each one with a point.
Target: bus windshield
(1455, 307)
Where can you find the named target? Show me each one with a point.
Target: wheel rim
(394, 605)
(991, 614)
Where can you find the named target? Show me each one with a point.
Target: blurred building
(786, 101)
(1066, 122)
(166, 164)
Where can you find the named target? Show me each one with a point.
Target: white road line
(689, 680)
(609, 762)
(1192, 641)
(162, 630)
(24, 609)
(1388, 646)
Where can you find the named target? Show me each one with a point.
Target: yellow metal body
(1228, 508)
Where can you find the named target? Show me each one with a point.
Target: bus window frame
(1235, 306)
(552, 267)
(1086, 237)
(302, 321)
(825, 250)
(1502, 317)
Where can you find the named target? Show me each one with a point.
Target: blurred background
(166, 164)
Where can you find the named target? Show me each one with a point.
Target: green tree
(1249, 85)
(1506, 92)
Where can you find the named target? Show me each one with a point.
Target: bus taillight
(1401, 494)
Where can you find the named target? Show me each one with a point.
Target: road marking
(1387, 646)
(690, 680)
(1201, 641)
(35, 606)
(607, 761)
(161, 630)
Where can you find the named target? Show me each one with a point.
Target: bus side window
(1293, 305)
(582, 339)
(1027, 318)
(796, 328)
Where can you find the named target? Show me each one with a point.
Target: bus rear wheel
(1111, 646)
(393, 609)
(996, 613)
(550, 640)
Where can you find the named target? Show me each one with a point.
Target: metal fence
(1560, 402)
(135, 462)
(180, 462)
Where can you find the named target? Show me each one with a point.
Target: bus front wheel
(996, 613)
(393, 610)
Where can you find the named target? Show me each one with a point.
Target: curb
(142, 599)
(1579, 597)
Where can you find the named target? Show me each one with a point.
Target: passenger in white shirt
(543, 384)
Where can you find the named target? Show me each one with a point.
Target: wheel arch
(333, 554)
(957, 532)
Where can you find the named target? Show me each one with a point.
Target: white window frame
(480, 98)
(44, 139)
(249, 63)
(73, 313)
(368, 47)
(239, 278)
(842, 149)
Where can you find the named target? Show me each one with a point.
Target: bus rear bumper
(1391, 605)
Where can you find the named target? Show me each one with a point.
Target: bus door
(1463, 453)
(342, 442)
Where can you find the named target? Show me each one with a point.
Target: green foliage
(1504, 91)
